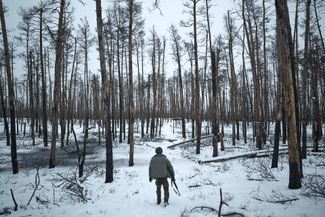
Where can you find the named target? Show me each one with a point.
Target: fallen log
(194, 186)
(263, 153)
(220, 136)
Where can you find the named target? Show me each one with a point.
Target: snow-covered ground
(245, 187)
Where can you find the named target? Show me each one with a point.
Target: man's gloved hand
(150, 179)
(173, 179)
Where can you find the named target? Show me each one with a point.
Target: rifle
(174, 182)
(175, 188)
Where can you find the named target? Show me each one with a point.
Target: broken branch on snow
(220, 206)
(13, 198)
(37, 183)
(314, 186)
(275, 197)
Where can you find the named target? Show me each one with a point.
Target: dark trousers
(162, 182)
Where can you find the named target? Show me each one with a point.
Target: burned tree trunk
(285, 57)
(11, 92)
(233, 80)
(277, 130)
(31, 97)
(57, 85)
(177, 54)
(315, 103)
(105, 95)
(131, 103)
(142, 90)
(214, 87)
(154, 85)
(197, 80)
(253, 55)
(4, 111)
(304, 81)
(43, 74)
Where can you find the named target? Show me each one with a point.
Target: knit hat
(159, 150)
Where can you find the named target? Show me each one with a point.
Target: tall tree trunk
(197, 81)
(285, 57)
(148, 104)
(124, 53)
(214, 87)
(70, 97)
(315, 103)
(192, 94)
(105, 95)
(232, 80)
(176, 38)
(44, 89)
(318, 26)
(158, 82)
(296, 64)
(139, 99)
(245, 92)
(154, 85)
(257, 85)
(142, 90)
(57, 85)
(31, 97)
(266, 77)
(37, 97)
(121, 94)
(11, 92)
(110, 55)
(253, 53)
(50, 83)
(62, 115)
(277, 129)
(306, 65)
(131, 103)
(82, 155)
(284, 118)
(162, 86)
(223, 112)
(4, 111)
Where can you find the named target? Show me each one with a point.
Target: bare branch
(220, 205)
(13, 198)
(37, 182)
(82, 2)
(314, 186)
(275, 197)
(205, 207)
(156, 6)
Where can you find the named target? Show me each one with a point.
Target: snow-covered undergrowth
(249, 186)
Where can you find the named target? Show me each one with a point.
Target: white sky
(172, 14)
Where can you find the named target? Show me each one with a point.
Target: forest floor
(249, 186)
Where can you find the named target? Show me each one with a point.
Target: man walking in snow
(160, 169)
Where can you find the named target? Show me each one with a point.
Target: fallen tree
(252, 154)
(220, 137)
